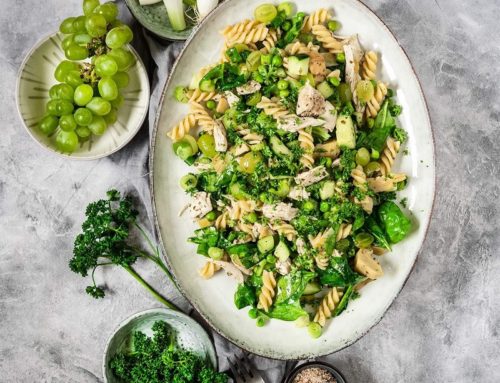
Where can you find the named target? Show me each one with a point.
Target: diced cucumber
(346, 135)
(282, 252)
(207, 86)
(325, 89)
(312, 288)
(266, 244)
(297, 66)
(327, 190)
(237, 191)
(279, 147)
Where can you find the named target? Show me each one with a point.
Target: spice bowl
(294, 374)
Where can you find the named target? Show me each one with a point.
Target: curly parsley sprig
(104, 242)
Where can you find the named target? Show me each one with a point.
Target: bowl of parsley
(157, 345)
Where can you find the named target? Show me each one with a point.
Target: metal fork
(243, 371)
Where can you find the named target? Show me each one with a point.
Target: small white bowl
(190, 335)
(35, 78)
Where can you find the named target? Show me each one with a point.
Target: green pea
(340, 58)
(253, 313)
(277, 60)
(211, 104)
(211, 216)
(363, 240)
(362, 156)
(284, 93)
(314, 330)
(216, 253)
(324, 206)
(282, 84)
(310, 205)
(375, 154)
(261, 321)
(333, 25)
(286, 25)
(250, 217)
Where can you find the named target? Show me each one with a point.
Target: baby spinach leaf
(244, 296)
(394, 222)
(384, 125)
(287, 312)
(291, 286)
(375, 230)
(338, 274)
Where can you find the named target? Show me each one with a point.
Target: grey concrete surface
(442, 328)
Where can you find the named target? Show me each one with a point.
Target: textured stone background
(442, 328)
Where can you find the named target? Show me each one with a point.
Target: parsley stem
(157, 260)
(148, 287)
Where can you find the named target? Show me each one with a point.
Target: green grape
(73, 78)
(111, 117)
(76, 52)
(314, 330)
(83, 116)
(123, 57)
(66, 26)
(83, 132)
(82, 39)
(363, 240)
(67, 41)
(61, 92)
(95, 25)
(59, 107)
(99, 106)
(108, 10)
(206, 143)
(249, 162)
(48, 124)
(67, 122)
(117, 102)
(67, 141)
(253, 60)
(64, 68)
(265, 13)
(105, 66)
(89, 6)
(121, 79)
(364, 90)
(107, 88)
(362, 156)
(79, 24)
(119, 36)
(98, 125)
(83, 94)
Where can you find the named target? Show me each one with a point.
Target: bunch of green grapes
(87, 97)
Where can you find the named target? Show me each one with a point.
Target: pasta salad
(292, 137)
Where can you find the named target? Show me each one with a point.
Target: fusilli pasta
(267, 292)
(208, 270)
(327, 305)
(202, 117)
(374, 105)
(245, 32)
(369, 66)
(327, 40)
(182, 128)
(307, 144)
(318, 17)
(273, 108)
(388, 155)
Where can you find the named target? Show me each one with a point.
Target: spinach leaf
(394, 222)
(287, 312)
(205, 238)
(242, 249)
(375, 230)
(244, 296)
(338, 274)
(330, 242)
(291, 286)
(225, 77)
(384, 125)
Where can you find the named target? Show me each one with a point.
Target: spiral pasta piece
(208, 270)
(202, 117)
(322, 261)
(307, 144)
(344, 231)
(389, 155)
(270, 41)
(359, 178)
(251, 137)
(182, 128)
(319, 240)
(327, 40)
(239, 208)
(245, 32)
(267, 292)
(318, 17)
(369, 66)
(273, 108)
(198, 95)
(286, 230)
(221, 221)
(327, 305)
(374, 105)
(299, 48)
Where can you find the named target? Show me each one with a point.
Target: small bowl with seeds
(314, 372)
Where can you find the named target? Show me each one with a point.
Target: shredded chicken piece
(310, 102)
(250, 87)
(311, 176)
(284, 211)
(200, 204)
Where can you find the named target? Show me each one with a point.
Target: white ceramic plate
(214, 298)
(35, 78)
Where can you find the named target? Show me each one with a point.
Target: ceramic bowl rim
(64, 155)
(324, 365)
(162, 310)
(154, 134)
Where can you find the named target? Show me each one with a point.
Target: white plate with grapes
(83, 92)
